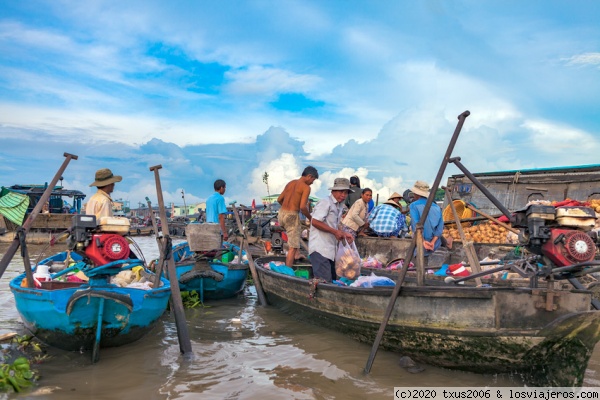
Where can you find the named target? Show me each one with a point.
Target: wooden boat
(89, 315)
(547, 335)
(18, 201)
(212, 279)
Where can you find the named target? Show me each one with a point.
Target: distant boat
(17, 201)
(214, 280)
(89, 315)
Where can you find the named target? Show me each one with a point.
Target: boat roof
(38, 190)
(534, 171)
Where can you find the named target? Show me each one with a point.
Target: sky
(233, 89)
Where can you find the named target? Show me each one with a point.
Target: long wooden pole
(467, 244)
(411, 249)
(262, 299)
(185, 344)
(12, 249)
(161, 259)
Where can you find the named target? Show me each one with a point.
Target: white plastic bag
(347, 261)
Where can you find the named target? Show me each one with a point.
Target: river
(266, 355)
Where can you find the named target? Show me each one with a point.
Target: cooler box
(203, 237)
(118, 225)
(578, 217)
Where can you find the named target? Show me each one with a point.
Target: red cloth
(253, 204)
(457, 270)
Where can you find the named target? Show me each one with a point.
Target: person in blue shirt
(216, 208)
(386, 220)
(434, 226)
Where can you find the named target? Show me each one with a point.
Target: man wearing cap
(325, 232)
(100, 204)
(434, 225)
(294, 200)
(387, 220)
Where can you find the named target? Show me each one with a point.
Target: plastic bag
(373, 280)
(347, 261)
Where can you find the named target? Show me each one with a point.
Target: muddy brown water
(269, 355)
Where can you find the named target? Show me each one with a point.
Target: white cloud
(267, 82)
(583, 59)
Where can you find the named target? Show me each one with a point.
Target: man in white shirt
(325, 232)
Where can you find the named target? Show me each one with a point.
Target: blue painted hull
(67, 318)
(233, 282)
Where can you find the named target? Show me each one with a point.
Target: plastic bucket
(227, 257)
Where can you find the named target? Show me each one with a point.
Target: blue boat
(219, 280)
(93, 314)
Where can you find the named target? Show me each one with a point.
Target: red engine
(568, 246)
(106, 248)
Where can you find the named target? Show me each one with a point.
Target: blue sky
(233, 89)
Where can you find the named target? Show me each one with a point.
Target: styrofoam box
(118, 225)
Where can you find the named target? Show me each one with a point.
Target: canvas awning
(13, 205)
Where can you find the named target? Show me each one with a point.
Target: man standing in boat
(293, 200)
(100, 204)
(216, 208)
(434, 225)
(324, 232)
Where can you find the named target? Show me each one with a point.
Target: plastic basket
(301, 273)
(462, 211)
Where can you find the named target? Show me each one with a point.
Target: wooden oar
(185, 345)
(262, 299)
(467, 244)
(12, 249)
(161, 260)
(411, 249)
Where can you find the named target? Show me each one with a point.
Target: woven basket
(462, 211)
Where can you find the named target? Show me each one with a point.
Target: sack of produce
(347, 261)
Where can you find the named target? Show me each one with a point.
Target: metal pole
(411, 249)
(12, 249)
(500, 206)
(185, 344)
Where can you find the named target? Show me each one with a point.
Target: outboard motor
(103, 243)
(560, 234)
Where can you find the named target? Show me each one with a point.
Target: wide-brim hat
(341, 184)
(421, 188)
(105, 177)
(392, 203)
(395, 195)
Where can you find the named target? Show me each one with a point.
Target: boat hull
(67, 318)
(218, 281)
(483, 330)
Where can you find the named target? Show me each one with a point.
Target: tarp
(13, 205)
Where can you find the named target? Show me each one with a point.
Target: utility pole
(184, 206)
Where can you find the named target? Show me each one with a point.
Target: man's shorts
(290, 221)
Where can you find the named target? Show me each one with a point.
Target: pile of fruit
(483, 233)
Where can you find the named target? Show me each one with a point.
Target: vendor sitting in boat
(356, 218)
(100, 204)
(324, 233)
(387, 220)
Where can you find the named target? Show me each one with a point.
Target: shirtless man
(293, 200)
